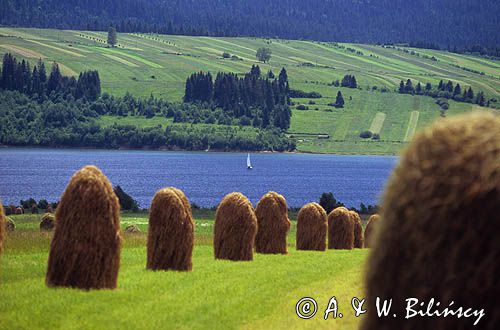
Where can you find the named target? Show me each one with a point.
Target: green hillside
(159, 64)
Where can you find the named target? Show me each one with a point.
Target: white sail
(249, 164)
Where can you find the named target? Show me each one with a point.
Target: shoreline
(213, 151)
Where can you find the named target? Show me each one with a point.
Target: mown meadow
(260, 294)
(145, 64)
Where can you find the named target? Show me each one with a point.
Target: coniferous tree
(409, 87)
(402, 87)
(339, 100)
(112, 38)
(441, 85)
(449, 86)
(418, 89)
(480, 99)
(55, 77)
(428, 87)
(470, 93)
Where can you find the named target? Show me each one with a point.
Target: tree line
(56, 110)
(446, 23)
(444, 90)
(18, 76)
(74, 123)
(263, 102)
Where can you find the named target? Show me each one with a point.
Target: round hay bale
(311, 228)
(373, 223)
(340, 229)
(272, 223)
(133, 229)
(19, 210)
(47, 222)
(171, 232)
(10, 225)
(358, 230)
(438, 237)
(85, 249)
(235, 228)
(2, 227)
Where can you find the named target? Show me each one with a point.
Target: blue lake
(204, 177)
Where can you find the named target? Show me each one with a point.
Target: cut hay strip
(377, 123)
(58, 49)
(28, 53)
(412, 126)
(121, 60)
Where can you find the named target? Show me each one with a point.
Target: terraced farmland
(145, 64)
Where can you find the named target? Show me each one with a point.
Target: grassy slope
(159, 64)
(261, 294)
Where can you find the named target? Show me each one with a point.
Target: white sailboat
(249, 164)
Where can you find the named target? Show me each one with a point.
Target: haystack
(47, 222)
(235, 228)
(373, 222)
(19, 210)
(10, 225)
(171, 232)
(132, 229)
(311, 228)
(438, 235)
(340, 229)
(358, 230)
(273, 224)
(85, 249)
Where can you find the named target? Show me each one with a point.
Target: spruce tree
(112, 39)
(418, 89)
(339, 101)
(402, 87)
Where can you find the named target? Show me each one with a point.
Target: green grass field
(217, 294)
(145, 64)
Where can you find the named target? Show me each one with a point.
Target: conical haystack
(438, 238)
(273, 224)
(171, 232)
(340, 229)
(358, 230)
(85, 249)
(373, 223)
(235, 228)
(312, 228)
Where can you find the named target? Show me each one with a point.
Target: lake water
(204, 177)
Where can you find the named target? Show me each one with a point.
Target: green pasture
(217, 294)
(145, 64)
